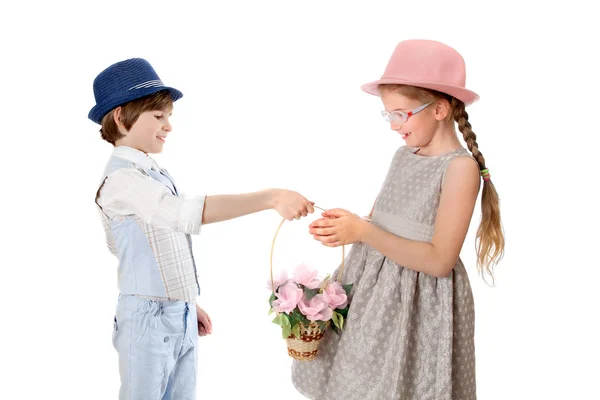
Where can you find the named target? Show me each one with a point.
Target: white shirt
(128, 191)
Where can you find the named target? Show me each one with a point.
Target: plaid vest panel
(152, 261)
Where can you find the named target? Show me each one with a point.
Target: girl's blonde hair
(489, 242)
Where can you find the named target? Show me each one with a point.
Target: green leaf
(296, 331)
(279, 319)
(335, 329)
(270, 311)
(348, 288)
(272, 299)
(283, 320)
(343, 312)
(286, 331)
(341, 319)
(310, 293)
(297, 316)
(335, 319)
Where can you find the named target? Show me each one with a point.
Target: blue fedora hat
(123, 82)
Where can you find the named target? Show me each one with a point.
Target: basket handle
(340, 274)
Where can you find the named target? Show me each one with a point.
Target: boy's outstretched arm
(287, 203)
(129, 192)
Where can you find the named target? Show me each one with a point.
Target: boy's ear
(117, 116)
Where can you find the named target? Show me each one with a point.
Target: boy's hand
(204, 322)
(291, 205)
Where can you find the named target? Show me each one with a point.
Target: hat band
(147, 84)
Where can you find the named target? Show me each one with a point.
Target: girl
(410, 327)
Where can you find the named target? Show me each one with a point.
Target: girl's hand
(338, 227)
(204, 322)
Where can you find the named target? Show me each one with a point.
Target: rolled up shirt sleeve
(128, 191)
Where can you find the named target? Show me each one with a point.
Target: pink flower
(278, 280)
(336, 295)
(288, 297)
(316, 308)
(307, 276)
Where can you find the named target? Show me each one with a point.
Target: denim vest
(153, 261)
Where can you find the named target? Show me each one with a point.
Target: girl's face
(149, 132)
(419, 129)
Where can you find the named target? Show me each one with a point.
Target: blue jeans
(156, 342)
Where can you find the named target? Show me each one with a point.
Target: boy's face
(148, 133)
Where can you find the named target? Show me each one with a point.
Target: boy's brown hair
(131, 111)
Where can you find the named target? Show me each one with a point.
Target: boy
(148, 224)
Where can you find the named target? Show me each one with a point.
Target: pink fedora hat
(427, 64)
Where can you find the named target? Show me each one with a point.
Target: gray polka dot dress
(408, 335)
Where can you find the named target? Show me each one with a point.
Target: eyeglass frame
(401, 116)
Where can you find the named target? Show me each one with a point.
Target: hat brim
(100, 110)
(466, 96)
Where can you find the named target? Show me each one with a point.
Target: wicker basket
(306, 347)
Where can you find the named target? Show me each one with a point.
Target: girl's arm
(438, 258)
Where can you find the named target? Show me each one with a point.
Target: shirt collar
(135, 156)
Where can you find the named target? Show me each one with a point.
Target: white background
(272, 99)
